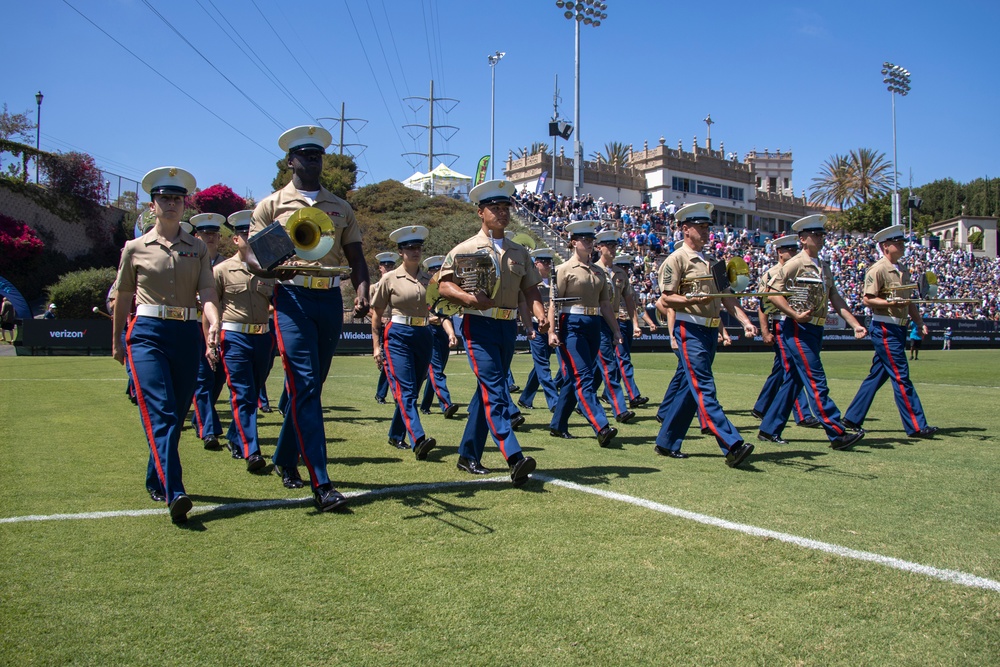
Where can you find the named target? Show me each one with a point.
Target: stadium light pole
(587, 12)
(38, 131)
(897, 80)
(494, 59)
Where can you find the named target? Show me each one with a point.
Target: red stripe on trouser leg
(397, 392)
(578, 383)
(232, 395)
(607, 382)
(899, 380)
(812, 382)
(694, 383)
(292, 394)
(466, 330)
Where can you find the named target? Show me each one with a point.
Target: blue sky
(778, 75)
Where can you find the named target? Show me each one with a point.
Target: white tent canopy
(441, 181)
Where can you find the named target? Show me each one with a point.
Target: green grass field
(459, 571)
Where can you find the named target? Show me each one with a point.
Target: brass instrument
(736, 275)
(308, 235)
(808, 291)
(926, 289)
(525, 240)
(473, 272)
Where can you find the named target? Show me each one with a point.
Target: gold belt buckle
(504, 313)
(255, 328)
(174, 313)
(418, 321)
(319, 282)
(713, 322)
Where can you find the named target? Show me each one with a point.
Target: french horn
(474, 272)
(307, 236)
(734, 274)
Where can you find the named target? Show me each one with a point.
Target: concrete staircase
(542, 231)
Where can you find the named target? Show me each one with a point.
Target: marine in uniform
(607, 367)
(211, 377)
(309, 310)
(402, 347)
(785, 247)
(541, 351)
(884, 279)
(490, 330)
(386, 263)
(696, 331)
(443, 335)
(244, 341)
(628, 324)
(802, 334)
(575, 329)
(165, 270)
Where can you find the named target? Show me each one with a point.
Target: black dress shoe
(846, 440)
(521, 469)
(561, 434)
(659, 419)
(624, 417)
(424, 412)
(525, 406)
(157, 496)
(738, 453)
(606, 434)
(706, 431)
(255, 462)
(213, 444)
(398, 444)
(451, 410)
(290, 477)
(516, 420)
(235, 451)
(767, 437)
(380, 401)
(642, 400)
(423, 446)
(179, 508)
(670, 453)
(266, 409)
(514, 388)
(812, 422)
(848, 423)
(472, 466)
(756, 414)
(328, 498)
(926, 432)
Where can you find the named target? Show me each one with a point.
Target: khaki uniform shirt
(517, 270)
(164, 273)
(585, 282)
(387, 313)
(619, 286)
(406, 295)
(765, 280)
(280, 205)
(243, 297)
(882, 275)
(681, 266)
(803, 265)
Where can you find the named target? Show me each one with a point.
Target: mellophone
(735, 273)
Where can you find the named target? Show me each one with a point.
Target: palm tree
(536, 148)
(615, 152)
(847, 180)
(872, 173)
(833, 185)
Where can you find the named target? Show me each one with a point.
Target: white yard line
(951, 576)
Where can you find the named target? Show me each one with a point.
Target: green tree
(832, 186)
(870, 216)
(871, 173)
(15, 126)
(339, 174)
(846, 180)
(536, 148)
(615, 152)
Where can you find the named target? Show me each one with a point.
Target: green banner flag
(484, 162)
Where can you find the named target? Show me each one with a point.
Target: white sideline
(951, 576)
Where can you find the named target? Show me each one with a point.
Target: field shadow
(590, 475)
(970, 432)
(353, 461)
(804, 461)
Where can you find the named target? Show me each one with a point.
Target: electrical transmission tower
(447, 131)
(347, 122)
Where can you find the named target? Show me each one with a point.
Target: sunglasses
(411, 246)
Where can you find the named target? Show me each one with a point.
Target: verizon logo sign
(67, 334)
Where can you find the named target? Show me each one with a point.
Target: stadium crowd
(649, 234)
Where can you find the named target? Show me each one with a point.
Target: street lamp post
(38, 131)
(897, 80)
(494, 59)
(588, 12)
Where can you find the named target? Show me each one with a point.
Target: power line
(252, 56)
(392, 38)
(378, 38)
(105, 160)
(212, 65)
(179, 89)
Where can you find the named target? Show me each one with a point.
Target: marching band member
(577, 334)
(489, 330)
(607, 366)
(802, 334)
(888, 332)
(628, 324)
(309, 311)
(541, 351)
(211, 378)
(785, 247)
(405, 351)
(165, 270)
(443, 334)
(695, 330)
(244, 342)
(386, 263)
